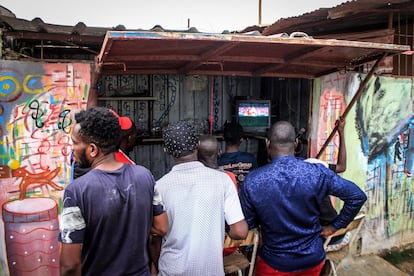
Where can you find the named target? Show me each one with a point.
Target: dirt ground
(403, 258)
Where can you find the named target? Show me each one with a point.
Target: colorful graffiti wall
(379, 135)
(37, 104)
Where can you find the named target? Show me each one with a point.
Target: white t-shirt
(198, 201)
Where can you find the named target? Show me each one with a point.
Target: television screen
(254, 116)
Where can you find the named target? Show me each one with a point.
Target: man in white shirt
(198, 200)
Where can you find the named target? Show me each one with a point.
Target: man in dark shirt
(107, 213)
(284, 198)
(126, 145)
(238, 162)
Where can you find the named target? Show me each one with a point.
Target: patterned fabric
(179, 138)
(338, 245)
(284, 198)
(198, 201)
(98, 209)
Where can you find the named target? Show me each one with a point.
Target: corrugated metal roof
(37, 25)
(55, 42)
(13, 24)
(345, 17)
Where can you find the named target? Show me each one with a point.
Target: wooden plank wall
(153, 101)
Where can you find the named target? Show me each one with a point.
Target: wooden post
(260, 12)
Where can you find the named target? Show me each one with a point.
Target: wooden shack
(162, 77)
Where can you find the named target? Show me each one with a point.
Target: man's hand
(327, 231)
(341, 124)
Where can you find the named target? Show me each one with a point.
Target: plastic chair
(238, 261)
(335, 257)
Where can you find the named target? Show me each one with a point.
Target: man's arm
(238, 230)
(160, 225)
(160, 219)
(72, 230)
(352, 196)
(158, 230)
(70, 259)
(237, 225)
(327, 231)
(93, 91)
(341, 164)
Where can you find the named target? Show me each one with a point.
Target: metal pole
(352, 102)
(260, 12)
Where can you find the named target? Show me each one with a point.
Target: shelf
(150, 140)
(127, 99)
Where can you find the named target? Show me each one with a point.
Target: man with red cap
(128, 138)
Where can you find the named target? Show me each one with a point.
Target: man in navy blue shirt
(238, 162)
(109, 212)
(284, 197)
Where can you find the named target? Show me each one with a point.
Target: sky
(211, 16)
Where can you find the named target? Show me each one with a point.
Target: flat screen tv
(254, 115)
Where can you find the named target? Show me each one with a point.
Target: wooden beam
(211, 54)
(287, 60)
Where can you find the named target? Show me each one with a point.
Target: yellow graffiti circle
(26, 84)
(7, 83)
(13, 164)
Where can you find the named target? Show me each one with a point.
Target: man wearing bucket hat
(198, 201)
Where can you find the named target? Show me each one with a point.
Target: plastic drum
(31, 234)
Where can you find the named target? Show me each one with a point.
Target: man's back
(240, 163)
(290, 225)
(198, 201)
(109, 201)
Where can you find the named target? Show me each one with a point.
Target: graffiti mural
(332, 106)
(383, 117)
(379, 135)
(37, 104)
(382, 113)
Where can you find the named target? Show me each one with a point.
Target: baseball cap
(124, 122)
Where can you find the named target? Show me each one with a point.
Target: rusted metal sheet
(37, 25)
(347, 17)
(142, 52)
